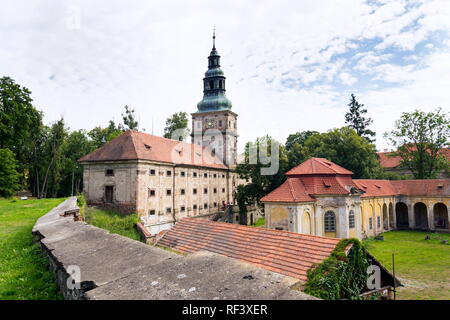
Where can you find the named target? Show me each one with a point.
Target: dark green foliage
(340, 276)
(356, 120)
(259, 184)
(419, 136)
(9, 177)
(178, 121)
(349, 150)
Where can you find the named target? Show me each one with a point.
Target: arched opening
(385, 217)
(391, 216)
(401, 214)
(330, 224)
(440, 216)
(306, 223)
(420, 216)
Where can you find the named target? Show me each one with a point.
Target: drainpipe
(173, 194)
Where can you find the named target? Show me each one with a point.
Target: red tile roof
(387, 161)
(429, 187)
(318, 166)
(292, 190)
(376, 188)
(133, 145)
(288, 253)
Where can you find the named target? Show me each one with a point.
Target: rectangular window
(215, 204)
(183, 174)
(194, 191)
(152, 172)
(205, 175)
(182, 192)
(215, 190)
(223, 190)
(109, 172)
(195, 207)
(205, 190)
(194, 174)
(223, 176)
(183, 209)
(215, 175)
(168, 173)
(205, 205)
(152, 212)
(168, 192)
(378, 222)
(370, 223)
(168, 210)
(151, 192)
(220, 121)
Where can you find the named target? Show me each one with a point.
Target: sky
(290, 65)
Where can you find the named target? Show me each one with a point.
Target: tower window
(220, 84)
(211, 84)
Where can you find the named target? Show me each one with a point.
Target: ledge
(116, 267)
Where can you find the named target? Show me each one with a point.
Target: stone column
(342, 223)
(318, 223)
(411, 220)
(430, 215)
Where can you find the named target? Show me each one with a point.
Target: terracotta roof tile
(292, 190)
(375, 188)
(318, 166)
(283, 252)
(133, 145)
(429, 187)
(387, 161)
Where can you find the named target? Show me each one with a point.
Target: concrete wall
(90, 263)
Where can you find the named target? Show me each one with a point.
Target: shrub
(340, 276)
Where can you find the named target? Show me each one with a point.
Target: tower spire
(214, 37)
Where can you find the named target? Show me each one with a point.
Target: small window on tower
(211, 84)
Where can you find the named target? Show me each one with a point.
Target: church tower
(214, 124)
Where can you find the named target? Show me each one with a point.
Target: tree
(177, 121)
(295, 147)
(356, 120)
(100, 135)
(129, 120)
(259, 184)
(418, 137)
(346, 148)
(9, 177)
(19, 122)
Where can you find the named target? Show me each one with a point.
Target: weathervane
(214, 37)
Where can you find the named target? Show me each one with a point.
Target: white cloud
(283, 60)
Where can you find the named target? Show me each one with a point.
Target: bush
(340, 276)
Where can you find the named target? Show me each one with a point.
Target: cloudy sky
(290, 65)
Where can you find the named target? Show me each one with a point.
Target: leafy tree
(19, 121)
(296, 150)
(346, 148)
(129, 120)
(418, 137)
(100, 135)
(259, 185)
(9, 177)
(177, 121)
(356, 120)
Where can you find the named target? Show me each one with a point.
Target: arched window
(330, 221)
(351, 219)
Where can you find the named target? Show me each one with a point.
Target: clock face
(209, 123)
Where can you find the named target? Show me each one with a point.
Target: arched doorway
(440, 216)
(420, 216)
(385, 217)
(306, 223)
(401, 214)
(391, 216)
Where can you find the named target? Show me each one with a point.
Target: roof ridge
(291, 189)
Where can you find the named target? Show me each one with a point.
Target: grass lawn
(113, 221)
(259, 223)
(23, 267)
(423, 266)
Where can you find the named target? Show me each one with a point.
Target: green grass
(422, 265)
(113, 221)
(23, 267)
(261, 222)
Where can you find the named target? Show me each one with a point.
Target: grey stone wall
(114, 267)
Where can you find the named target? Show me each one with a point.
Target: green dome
(214, 103)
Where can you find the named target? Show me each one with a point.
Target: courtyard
(421, 265)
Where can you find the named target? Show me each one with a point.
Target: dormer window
(147, 146)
